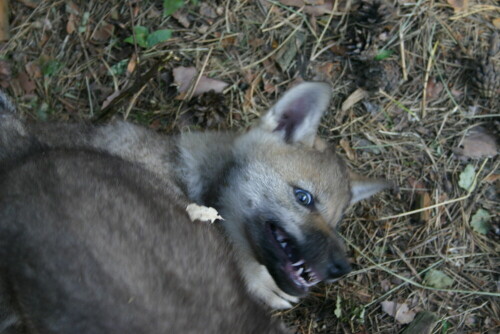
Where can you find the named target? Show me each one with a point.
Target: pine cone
(358, 41)
(486, 78)
(373, 13)
(208, 111)
(375, 75)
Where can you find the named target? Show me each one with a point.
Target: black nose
(338, 267)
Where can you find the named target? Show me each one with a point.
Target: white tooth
(300, 270)
(308, 270)
(283, 244)
(280, 238)
(298, 263)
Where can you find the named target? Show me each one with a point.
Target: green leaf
(379, 251)
(120, 67)
(480, 221)
(85, 20)
(42, 111)
(383, 54)
(171, 6)
(158, 36)
(338, 308)
(467, 177)
(437, 279)
(51, 67)
(141, 35)
(446, 327)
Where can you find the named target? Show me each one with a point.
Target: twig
(274, 51)
(402, 52)
(4, 20)
(198, 78)
(138, 84)
(426, 78)
(133, 100)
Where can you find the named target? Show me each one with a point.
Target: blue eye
(303, 197)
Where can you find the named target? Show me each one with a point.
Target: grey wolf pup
(279, 188)
(92, 243)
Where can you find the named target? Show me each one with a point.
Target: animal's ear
(297, 114)
(363, 187)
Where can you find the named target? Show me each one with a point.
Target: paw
(261, 285)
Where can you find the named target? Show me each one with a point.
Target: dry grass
(405, 134)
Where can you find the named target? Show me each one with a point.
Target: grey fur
(93, 243)
(249, 178)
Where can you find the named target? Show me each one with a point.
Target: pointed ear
(297, 114)
(362, 187)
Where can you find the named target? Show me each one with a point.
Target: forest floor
(415, 100)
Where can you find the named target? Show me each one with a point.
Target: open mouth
(298, 271)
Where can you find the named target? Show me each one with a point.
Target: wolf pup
(279, 188)
(92, 243)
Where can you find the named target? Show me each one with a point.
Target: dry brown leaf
(319, 10)
(71, 25)
(354, 98)
(492, 178)
(104, 32)
(4, 21)
(434, 89)
(385, 284)
(256, 42)
(496, 22)
(33, 69)
(269, 86)
(477, 144)
(182, 17)
(351, 155)
(312, 7)
(339, 50)
(184, 77)
(294, 3)
(207, 11)
(26, 83)
(30, 3)
(323, 71)
(400, 312)
(417, 185)
(72, 8)
(425, 201)
(132, 63)
(5, 74)
(458, 5)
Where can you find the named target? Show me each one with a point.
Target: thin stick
(403, 56)
(193, 87)
(4, 20)
(314, 55)
(132, 101)
(426, 79)
(274, 51)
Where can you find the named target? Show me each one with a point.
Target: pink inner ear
(292, 117)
